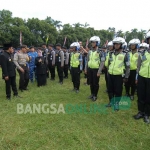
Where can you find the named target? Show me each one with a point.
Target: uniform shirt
(8, 67)
(33, 55)
(20, 58)
(66, 58)
(60, 54)
(51, 57)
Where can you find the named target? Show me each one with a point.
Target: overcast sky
(100, 14)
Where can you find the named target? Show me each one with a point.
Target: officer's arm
(53, 55)
(102, 62)
(127, 66)
(4, 65)
(62, 58)
(16, 61)
(138, 66)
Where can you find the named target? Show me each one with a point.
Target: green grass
(110, 131)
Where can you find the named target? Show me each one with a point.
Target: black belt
(23, 65)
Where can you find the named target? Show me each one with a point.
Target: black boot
(91, 96)
(94, 98)
(139, 115)
(146, 119)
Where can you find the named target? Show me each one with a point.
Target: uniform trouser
(47, 72)
(115, 87)
(60, 71)
(31, 72)
(131, 83)
(52, 70)
(66, 70)
(88, 78)
(94, 81)
(106, 77)
(24, 78)
(11, 83)
(143, 95)
(75, 77)
(41, 79)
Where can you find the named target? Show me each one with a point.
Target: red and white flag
(20, 38)
(106, 43)
(65, 41)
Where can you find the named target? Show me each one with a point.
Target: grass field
(76, 131)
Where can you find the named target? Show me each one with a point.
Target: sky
(100, 14)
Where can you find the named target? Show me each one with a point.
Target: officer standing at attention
(76, 66)
(95, 62)
(143, 87)
(51, 61)
(66, 62)
(8, 71)
(59, 62)
(118, 63)
(133, 45)
(20, 60)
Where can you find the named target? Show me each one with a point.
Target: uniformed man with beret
(8, 71)
(21, 59)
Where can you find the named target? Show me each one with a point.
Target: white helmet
(148, 35)
(95, 39)
(119, 40)
(134, 41)
(143, 45)
(110, 44)
(75, 44)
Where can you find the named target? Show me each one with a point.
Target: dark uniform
(8, 69)
(51, 63)
(66, 62)
(41, 70)
(60, 64)
(45, 53)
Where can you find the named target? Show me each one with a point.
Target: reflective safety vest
(133, 60)
(107, 59)
(74, 62)
(117, 65)
(94, 60)
(145, 66)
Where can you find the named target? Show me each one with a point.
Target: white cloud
(100, 14)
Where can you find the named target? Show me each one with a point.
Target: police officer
(95, 62)
(118, 61)
(8, 71)
(76, 66)
(143, 79)
(21, 59)
(51, 61)
(59, 62)
(32, 55)
(134, 45)
(45, 53)
(66, 61)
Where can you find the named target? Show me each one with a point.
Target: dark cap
(58, 44)
(51, 45)
(7, 46)
(64, 47)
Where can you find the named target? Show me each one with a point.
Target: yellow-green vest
(94, 60)
(74, 62)
(145, 66)
(117, 66)
(107, 59)
(133, 60)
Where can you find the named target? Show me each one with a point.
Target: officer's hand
(62, 66)
(85, 71)
(136, 81)
(22, 70)
(6, 78)
(125, 80)
(98, 74)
